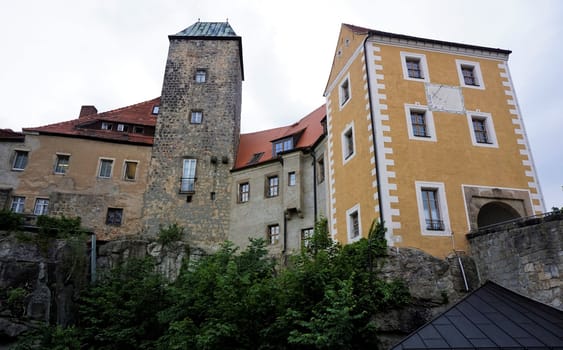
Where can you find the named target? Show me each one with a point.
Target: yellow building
(426, 135)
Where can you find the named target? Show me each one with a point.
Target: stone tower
(197, 135)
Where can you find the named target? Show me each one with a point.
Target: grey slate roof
(492, 317)
(210, 29)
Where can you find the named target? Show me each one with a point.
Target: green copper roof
(209, 29)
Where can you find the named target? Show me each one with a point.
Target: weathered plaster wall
(527, 260)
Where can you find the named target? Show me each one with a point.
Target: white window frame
(18, 204)
(428, 119)
(125, 162)
(489, 125)
(344, 140)
(421, 58)
(342, 89)
(442, 203)
(100, 162)
(57, 155)
(41, 206)
(122, 127)
(350, 224)
(106, 126)
(272, 190)
(476, 72)
(16, 153)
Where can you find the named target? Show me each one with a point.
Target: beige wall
(80, 192)
(251, 219)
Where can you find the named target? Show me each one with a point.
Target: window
(432, 208)
(344, 91)
(155, 110)
(18, 204)
(130, 171)
(321, 169)
(61, 163)
(414, 66)
(200, 75)
(273, 234)
(105, 168)
(196, 118)
(255, 158)
(470, 74)
(20, 160)
(353, 223)
(243, 192)
(306, 236)
(41, 206)
(272, 186)
(138, 129)
(122, 127)
(188, 175)
(420, 123)
(482, 130)
(291, 179)
(107, 126)
(348, 143)
(114, 216)
(283, 145)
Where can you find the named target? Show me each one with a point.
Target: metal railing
(516, 223)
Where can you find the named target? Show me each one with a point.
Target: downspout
(93, 258)
(314, 184)
(373, 135)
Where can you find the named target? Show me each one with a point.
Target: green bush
(59, 227)
(10, 221)
(172, 233)
(15, 298)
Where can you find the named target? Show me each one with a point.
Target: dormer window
(138, 129)
(122, 127)
(255, 158)
(107, 126)
(283, 145)
(155, 110)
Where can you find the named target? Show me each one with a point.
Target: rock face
(434, 284)
(49, 292)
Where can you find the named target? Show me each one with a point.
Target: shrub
(10, 221)
(59, 227)
(172, 233)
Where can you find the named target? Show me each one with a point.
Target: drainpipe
(379, 196)
(314, 184)
(93, 258)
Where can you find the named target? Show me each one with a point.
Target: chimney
(87, 110)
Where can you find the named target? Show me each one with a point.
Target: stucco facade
(468, 133)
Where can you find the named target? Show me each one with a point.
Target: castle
(422, 134)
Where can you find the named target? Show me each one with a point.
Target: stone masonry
(204, 213)
(527, 260)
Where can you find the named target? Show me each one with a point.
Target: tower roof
(208, 29)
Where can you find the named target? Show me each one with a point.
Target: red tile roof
(250, 144)
(137, 114)
(11, 135)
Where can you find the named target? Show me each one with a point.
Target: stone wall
(527, 260)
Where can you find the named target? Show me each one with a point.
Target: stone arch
(496, 212)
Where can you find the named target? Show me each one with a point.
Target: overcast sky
(58, 55)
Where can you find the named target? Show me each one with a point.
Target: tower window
(200, 76)
(197, 117)
(470, 74)
(291, 178)
(344, 92)
(414, 66)
(188, 175)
